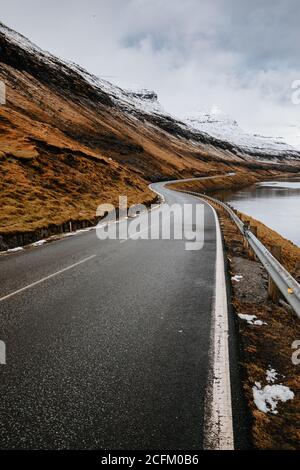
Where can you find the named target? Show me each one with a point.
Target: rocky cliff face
(69, 141)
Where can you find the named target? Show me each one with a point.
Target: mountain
(223, 127)
(70, 141)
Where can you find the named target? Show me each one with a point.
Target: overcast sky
(238, 55)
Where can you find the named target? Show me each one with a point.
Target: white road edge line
(218, 423)
(6, 297)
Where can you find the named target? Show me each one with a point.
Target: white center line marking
(6, 297)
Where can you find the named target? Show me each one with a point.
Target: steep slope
(69, 141)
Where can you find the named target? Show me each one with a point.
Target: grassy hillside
(67, 146)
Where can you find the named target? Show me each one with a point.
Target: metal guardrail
(288, 286)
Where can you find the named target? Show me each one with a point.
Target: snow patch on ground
(271, 375)
(237, 278)
(39, 243)
(50, 239)
(267, 398)
(252, 320)
(15, 250)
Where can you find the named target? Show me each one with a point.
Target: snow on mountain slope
(214, 128)
(142, 100)
(223, 127)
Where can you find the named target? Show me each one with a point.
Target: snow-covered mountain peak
(223, 127)
(215, 117)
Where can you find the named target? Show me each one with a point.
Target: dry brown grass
(49, 190)
(269, 345)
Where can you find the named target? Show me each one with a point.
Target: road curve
(107, 341)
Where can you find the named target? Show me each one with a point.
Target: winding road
(110, 344)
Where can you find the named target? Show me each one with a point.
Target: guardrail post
(246, 246)
(273, 291)
(252, 256)
(298, 270)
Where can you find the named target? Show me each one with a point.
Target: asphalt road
(113, 352)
